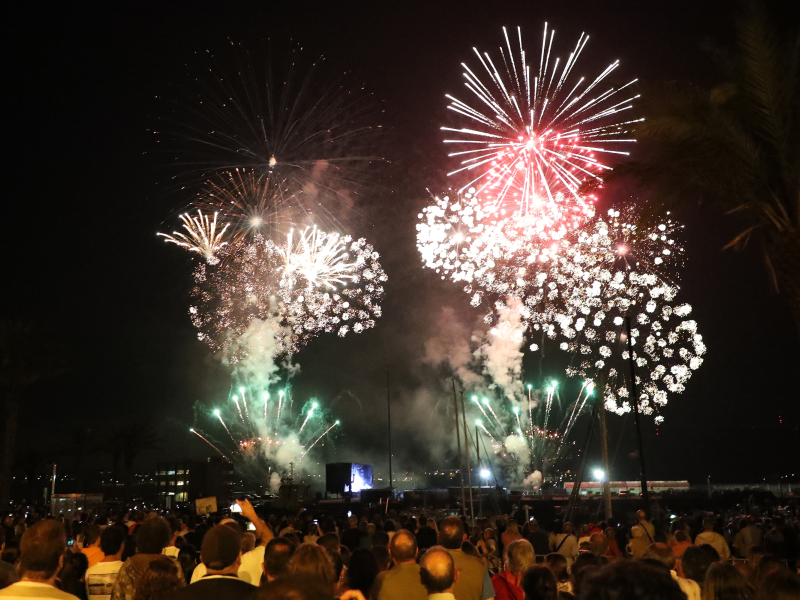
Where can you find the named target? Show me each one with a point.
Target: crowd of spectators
(158, 555)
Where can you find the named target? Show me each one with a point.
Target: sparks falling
(202, 236)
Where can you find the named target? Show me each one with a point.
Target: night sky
(84, 201)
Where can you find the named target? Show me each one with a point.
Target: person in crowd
(695, 563)
(313, 562)
(538, 540)
(8, 572)
(188, 559)
(380, 539)
(566, 544)
(91, 545)
(488, 548)
(507, 584)
(42, 551)
(639, 541)
(649, 528)
(248, 542)
(361, 571)
(222, 555)
(100, 577)
(583, 565)
(779, 585)
(664, 554)
(630, 579)
(612, 548)
(427, 536)
(329, 541)
(276, 558)
(72, 576)
(539, 583)
(160, 580)
(473, 582)
(175, 529)
(383, 558)
(598, 543)
(390, 528)
(766, 565)
(558, 565)
(351, 537)
(152, 536)
(439, 573)
(748, 537)
(682, 542)
(725, 582)
(366, 540)
(313, 534)
(584, 536)
(402, 581)
(251, 568)
(713, 539)
(511, 534)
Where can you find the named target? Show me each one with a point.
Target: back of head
(695, 563)
(681, 535)
(520, 556)
(276, 557)
(662, 553)
(313, 562)
(724, 581)
(710, 552)
(112, 538)
(90, 535)
(382, 557)
(152, 536)
(708, 524)
(451, 532)
(584, 564)
(567, 528)
(511, 527)
(174, 524)
(630, 580)
(779, 585)
(380, 539)
(533, 525)
(159, 580)
(41, 548)
(294, 587)
(403, 546)
(539, 583)
(557, 563)
(330, 541)
(248, 542)
(362, 569)
(221, 547)
(437, 569)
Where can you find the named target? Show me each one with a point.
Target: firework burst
(323, 283)
(527, 136)
(309, 132)
(202, 236)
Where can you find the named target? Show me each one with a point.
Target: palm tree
(27, 356)
(735, 147)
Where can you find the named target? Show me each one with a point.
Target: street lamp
(485, 473)
(599, 475)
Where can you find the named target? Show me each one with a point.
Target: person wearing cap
(222, 556)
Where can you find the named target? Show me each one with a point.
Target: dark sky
(83, 205)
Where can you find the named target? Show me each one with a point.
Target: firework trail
(261, 444)
(209, 443)
(201, 236)
(528, 136)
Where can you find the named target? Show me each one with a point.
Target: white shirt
(28, 590)
(688, 587)
(172, 551)
(100, 579)
(249, 571)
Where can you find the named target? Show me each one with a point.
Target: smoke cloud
(502, 351)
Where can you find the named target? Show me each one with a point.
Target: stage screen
(360, 477)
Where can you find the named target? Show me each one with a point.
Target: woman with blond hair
(507, 584)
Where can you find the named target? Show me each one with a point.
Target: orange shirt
(94, 554)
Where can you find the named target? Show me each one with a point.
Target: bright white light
(599, 475)
(485, 473)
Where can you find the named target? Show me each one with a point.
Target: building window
(170, 472)
(180, 483)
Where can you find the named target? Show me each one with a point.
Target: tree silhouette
(735, 147)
